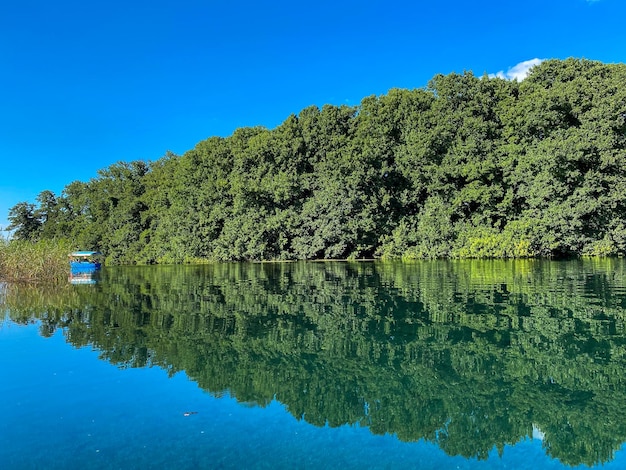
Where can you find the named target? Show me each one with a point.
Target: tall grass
(42, 261)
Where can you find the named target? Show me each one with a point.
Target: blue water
(63, 407)
(165, 367)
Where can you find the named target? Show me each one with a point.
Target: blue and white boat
(85, 261)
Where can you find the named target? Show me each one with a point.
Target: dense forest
(472, 355)
(466, 167)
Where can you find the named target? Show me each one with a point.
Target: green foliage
(467, 167)
(24, 221)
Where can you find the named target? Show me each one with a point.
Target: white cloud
(518, 72)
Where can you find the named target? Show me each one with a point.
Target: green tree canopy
(465, 167)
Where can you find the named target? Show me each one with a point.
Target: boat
(85, 261)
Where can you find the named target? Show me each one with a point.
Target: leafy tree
(466, 167)
(24, 221)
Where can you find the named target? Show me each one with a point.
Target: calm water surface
(486, 364)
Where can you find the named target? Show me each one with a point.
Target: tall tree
(24, 221)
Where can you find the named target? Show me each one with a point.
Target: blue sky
(86, 84)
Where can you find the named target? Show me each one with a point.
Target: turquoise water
(318, 366)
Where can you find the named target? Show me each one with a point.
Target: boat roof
(85, 253)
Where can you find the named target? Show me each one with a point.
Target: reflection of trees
(470, 355)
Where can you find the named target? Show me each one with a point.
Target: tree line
(467, 167)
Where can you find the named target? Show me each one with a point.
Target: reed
(42, 261)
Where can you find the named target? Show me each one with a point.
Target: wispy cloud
(520, 71)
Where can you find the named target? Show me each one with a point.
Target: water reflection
(470, 355)
(84, 277)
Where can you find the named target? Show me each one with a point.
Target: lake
(443, 364)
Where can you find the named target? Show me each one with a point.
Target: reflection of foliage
(53, 305)
(470, 355)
